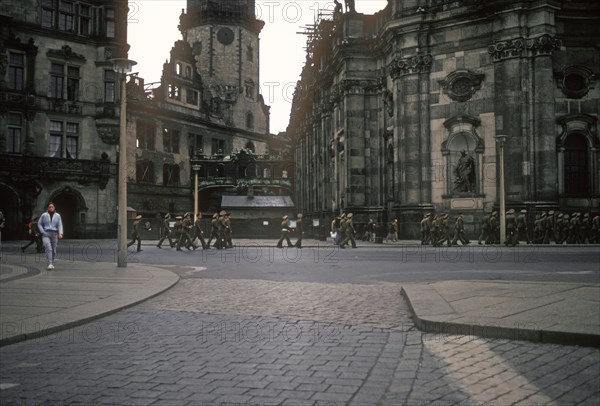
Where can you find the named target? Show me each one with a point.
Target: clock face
(225, 36)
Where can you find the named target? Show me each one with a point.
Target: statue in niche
(465, 173)
(337, 11)
(350, 6)
(388, 102)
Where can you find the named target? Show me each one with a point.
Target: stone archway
(73, 211)
(10, 205)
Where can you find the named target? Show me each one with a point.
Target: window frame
(62, 135)
(14, 142)
(16, 72)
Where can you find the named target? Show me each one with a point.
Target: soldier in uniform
(444, 230)
(349, 232)
(522, 228)
(285, 231)
(221, 231)
(549, 227)
(185, 239)
(485, 228)
(595, 231)
(584, 229)
(511, 225)
(342, 230)
(335, 230)
(178, 231)
(426, 229)
(198, 233)
(166, 231)
(214, 231)
(227, 230)
(459, 230)
(135, 234)
(299, 230)
(494, 235)
(435, 231)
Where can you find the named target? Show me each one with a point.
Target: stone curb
(423, 299)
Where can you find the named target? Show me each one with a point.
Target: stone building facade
(396, 114)
(58, 98)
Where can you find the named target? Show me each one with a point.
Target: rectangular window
(198, 141)
(171, 140)
(16, 71)
(109, 23)
(218, 146)
(57, 79)
(48, 13)
(85, 18)
(192, 96)
(15, 129)
(174, 92)
(109, 86)
(145, 135)
(63, 134)
(72, 83)
(66, 16)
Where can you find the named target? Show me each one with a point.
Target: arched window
(576, 165)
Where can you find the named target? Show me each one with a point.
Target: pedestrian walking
(50, 227)
(395, 229)
(221, 230)
(522, 232)
(227, 230)
(34, 236)
(335, 230)
(459, 230)
(299, 230)
(426, 229)
(185, 238)
(214, 232)
(135, 234)
(166, 231)
(285, 231)
(511, 228)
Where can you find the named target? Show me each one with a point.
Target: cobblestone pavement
(242, 342)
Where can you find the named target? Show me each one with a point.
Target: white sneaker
(50, 267)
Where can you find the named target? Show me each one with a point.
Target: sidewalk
(559, 313)
(35, 302)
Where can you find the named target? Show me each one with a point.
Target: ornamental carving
(461, 85)
(511, 48)
(543, 45)
(406, 66)
(66, 54)
(108, 134)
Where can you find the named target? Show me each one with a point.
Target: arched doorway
(10, 205)
(72, 209)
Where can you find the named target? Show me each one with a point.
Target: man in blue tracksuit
(51, 229)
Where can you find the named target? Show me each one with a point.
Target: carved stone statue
(350, 6)
(465, 173)
(388, 102)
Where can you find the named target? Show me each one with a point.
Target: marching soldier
(299, 230)
(349, 232)
(444, 230)
(285, 231)
(166, 231)
(511, 224)
(221, 232)
(595, 231)
(459, 230)
(485, 228)
(522, 227)
(549, 227)
(435, 231)
(135, 234)
(426, 229)
(227, 230)
(185, 238)
(584, 229)
(214, 231)
(494, 236)
(198, 233)
(178, 230)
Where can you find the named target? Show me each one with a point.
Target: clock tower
(224, 36)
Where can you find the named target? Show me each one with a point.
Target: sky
(152, 31)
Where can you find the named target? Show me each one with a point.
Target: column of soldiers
(435, 230)
(575, 228)
(185, 231)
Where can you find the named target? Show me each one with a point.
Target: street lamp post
(196, 169)
(122, 66)
(501, 139)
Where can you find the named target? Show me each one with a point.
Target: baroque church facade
(59, 115)
(398, 114)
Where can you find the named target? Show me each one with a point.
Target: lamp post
(501, 139)
(196, 169)
(122, 66)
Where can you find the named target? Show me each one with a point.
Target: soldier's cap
(178, 218)
(446, 215)
(222, 213)
(511, 211)
(494, 213)
(551, 212)
(215, 215)
(139, 216)
(577, 214)
(586, 215)
(343, 215)
(544, 214)
(349, 215)
(285, 217)
(566, 216)
(523, 211)
(427, 215)
(187, 214)
(299, 215)
(167, 216)
(559, 215)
